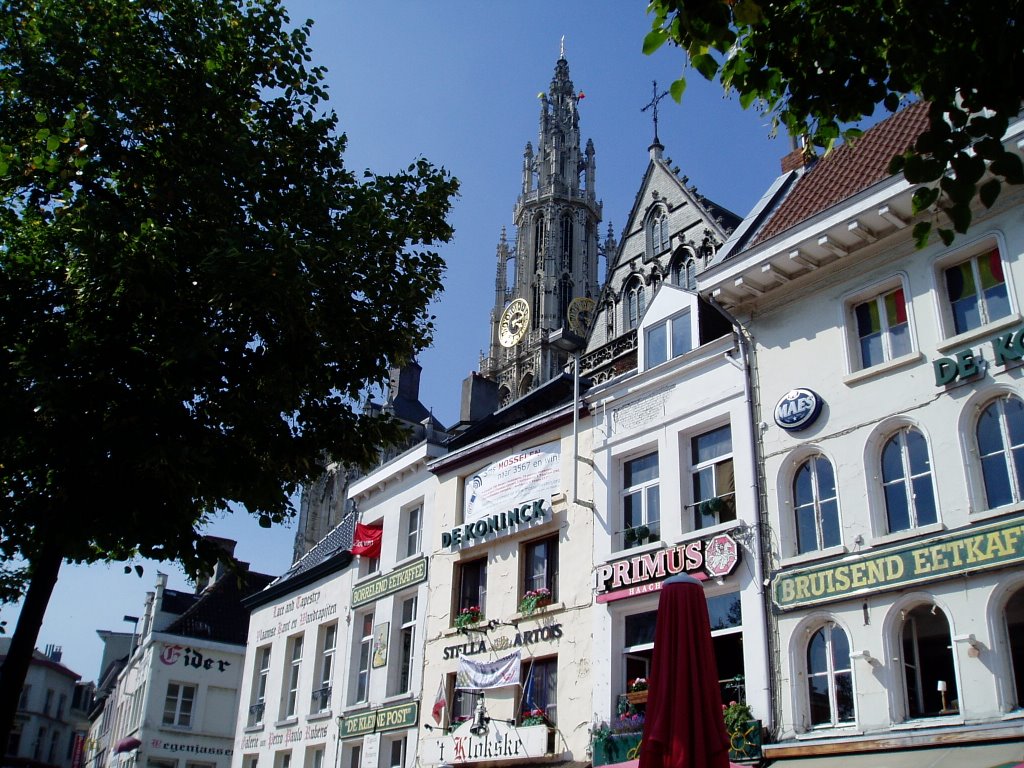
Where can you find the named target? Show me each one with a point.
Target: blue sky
(457, 82)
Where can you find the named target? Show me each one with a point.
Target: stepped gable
(847, 170)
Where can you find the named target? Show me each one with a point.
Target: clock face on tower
(514, 322)
(581, 312)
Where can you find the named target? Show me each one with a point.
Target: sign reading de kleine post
(389, 583)
(379, 720)
(936, 558)
(500, 741)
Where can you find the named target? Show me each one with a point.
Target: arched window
(1000, 434)
(907, 481)
(829, 678)
(1015, 634)
(657, 232)
(816, 506)
(684, 270)
(634, 303)
(929, 671)
(526, 384)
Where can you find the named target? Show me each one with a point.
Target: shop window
(668, 340)
(976, 292)
(907, 481)
(293, 667)
(714, 482)
(540, 688)
(363, 653)
(638, 646)
(829, 678)
(258, 697)
(327, 643)
(815, 505)
(881, 327)
(641, 505)
(928, 666)
(471, 583)
(1015, 635)
(540, 566)
(178, 704)
(1000, 435)
(726, 618)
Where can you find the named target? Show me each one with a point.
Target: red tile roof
(848, 170)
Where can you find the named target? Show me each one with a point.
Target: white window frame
(327, 644)
(817, 500)
(179, 718)
(892, 350)
(291, 679)
(406, 613)
(362, 656)
(673, 345)
(258, 697)
(907, 480)
(400, 743)
(697, 467)
(642, 489)
(1008, 450)
(831, 672)
(412, 530)
(971, 253)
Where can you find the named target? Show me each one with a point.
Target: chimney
(404, 383)
(479, 398)
(54, 652)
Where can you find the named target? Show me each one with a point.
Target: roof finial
(561, 50)
(653, 104)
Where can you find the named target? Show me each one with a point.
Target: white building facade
(891, 420)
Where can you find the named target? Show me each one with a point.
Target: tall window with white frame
(396, 752)
(413, 527)
(472, 586)
(714, 480)
(540, 689)
(637, 647)
(328, 642)
(1000, 435)
(976, 291)
(725, 615)
(363, 656)
(883, 331)
(406, 645)
(641, 503)
(178, 704)
(829, 678)
(929, 670)
(907, 481)
(289, 704)
(816, 506)
(258, 697)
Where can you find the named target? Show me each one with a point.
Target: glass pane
(924, 500)
(990, 437)
(1014, 410)
(868, 321)
(641, 470)
(817, 691)
(840, 649)
(657, 345)
(826, 478)
(997, 480)
(892, 460)
(806, 530)
(803, 490)
(900, 337)
(639, 628)
(844, 697)
(681, 341)
(712, 444)
(871, 352)
(725, 487)
(830, 524)
(632, 510)
(653, 506)
(917, 449)
(817, 653)
(896, 507)
(895, 308)
(724, 611)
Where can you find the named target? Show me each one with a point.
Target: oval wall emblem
(797, 409)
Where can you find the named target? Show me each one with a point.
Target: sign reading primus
(529, 513)
(389, 583)
(936, 558)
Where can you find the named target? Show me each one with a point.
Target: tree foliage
(194, 291)
(819, 67)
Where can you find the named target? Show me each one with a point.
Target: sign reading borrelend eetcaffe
(389, 583)
(936, 558)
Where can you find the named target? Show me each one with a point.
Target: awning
(960, 756)
(127, 745)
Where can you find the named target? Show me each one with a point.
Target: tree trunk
(19, 655)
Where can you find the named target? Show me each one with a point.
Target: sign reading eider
(797, 409)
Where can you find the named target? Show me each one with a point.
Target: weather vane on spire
(655, 98)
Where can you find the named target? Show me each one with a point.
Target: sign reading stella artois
(498, 741)
(715, 557)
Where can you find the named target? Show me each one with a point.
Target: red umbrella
(684, 727)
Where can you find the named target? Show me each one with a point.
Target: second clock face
(514, 322)
(581, 312)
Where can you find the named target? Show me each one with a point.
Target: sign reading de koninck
(936, 558)
(527, 513)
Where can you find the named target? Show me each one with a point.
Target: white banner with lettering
(478, 675)
(518, 478)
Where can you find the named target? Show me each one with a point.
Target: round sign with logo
(797, 409)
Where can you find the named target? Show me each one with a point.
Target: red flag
(440, 703)
(366, 541)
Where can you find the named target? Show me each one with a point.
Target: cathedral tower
(547, 277)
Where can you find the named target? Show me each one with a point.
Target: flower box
(617, 748)
(637, 697)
